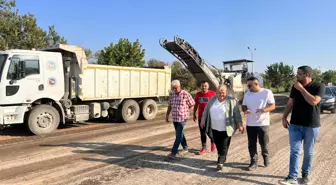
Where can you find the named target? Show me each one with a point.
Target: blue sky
(300, 32)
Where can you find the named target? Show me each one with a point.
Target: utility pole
(251, 50)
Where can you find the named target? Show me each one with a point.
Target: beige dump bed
(115, 82)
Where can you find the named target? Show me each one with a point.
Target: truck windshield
(3, 58)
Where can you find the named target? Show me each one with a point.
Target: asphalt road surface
(127, 154)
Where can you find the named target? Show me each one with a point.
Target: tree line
(280, 76)
(21, 31)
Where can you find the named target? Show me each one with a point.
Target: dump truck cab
(25, 77)
(29, 78)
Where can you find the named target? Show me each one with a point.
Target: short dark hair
(253, 78)
(203, 82)
(306, 70)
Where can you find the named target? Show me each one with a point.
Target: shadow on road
(135, 157)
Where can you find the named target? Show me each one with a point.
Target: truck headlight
(331, 100)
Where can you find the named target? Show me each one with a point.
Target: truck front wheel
(43, 119)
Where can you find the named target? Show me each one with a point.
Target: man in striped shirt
(180, 102)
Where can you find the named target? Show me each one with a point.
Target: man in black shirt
(304, 102)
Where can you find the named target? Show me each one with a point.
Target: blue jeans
(297, 134)
(180, 138)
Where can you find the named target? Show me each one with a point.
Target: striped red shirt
(180, 104)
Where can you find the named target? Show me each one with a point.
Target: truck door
(24, 82)
(53, 76)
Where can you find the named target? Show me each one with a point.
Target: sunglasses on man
(250, 85)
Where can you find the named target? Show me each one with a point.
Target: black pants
(260, 133)
(204, 135)
(222, 141)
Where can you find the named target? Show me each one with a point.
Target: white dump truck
(57, 85)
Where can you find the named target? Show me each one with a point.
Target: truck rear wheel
(149, 109)
(130, 111)
(43, 119)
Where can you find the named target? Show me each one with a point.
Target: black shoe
(305, 179)
(253, 166)
(266, 162)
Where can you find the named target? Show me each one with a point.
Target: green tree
(96, 54)
(329, 77)
(21, 31)
(317, 75)
(279, 76)
(7, 5)
(9, 24)
(267, 82)
(54, 38)
(90, 56)
(179, 72)
(88, 53)
(31, 35)
(124, 53)
(156, 63)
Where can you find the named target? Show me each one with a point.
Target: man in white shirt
(257, 104)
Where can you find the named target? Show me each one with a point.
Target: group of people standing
(219, 117)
